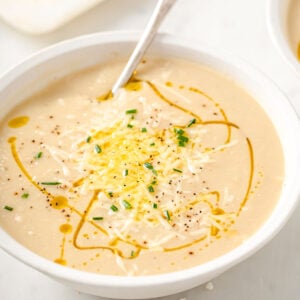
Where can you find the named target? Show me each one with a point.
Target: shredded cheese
(149, 159)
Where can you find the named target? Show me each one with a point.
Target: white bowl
(82, 52)
(277, 11)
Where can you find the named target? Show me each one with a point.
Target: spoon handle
(161, 9)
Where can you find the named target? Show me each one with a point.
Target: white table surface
(238, 26)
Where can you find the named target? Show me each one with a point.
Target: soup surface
(180, 167)
(293, 26)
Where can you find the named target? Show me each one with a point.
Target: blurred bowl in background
(278, 12)
(39, 17)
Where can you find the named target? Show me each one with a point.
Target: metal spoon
(161, 9)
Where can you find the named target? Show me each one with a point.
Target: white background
(238, 26)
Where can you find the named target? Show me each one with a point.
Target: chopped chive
(150, 189)
(154, 205)
(177, 170)
(97, 218)
(110, 194)
(129, 125)
(167, 215)
(144, 129)
(126, 204)
(179, 131)
(148, 166)
(131, 111)
(193, 121)
(97, 149)
(114, 208)
(125, 172)
(153, 182)
(88, 139)
(38, 155)
(181, 144)
(183, 138)
(152, 144)
(132, 254)
(25, 196)
(50, 183)
(8, 208)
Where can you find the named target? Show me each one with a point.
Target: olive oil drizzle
(61, 260)
(198, 118)
(251, 173)
(216, 104)
(171, 103)
(12, 142)
(112, 245)
(18, 122)
(186, 245)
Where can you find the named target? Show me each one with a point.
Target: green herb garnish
(110, 194)
(25, 196)
(97, 218)
(129, 125)
(125, 172)
(144, 129)
(97, 149)
(177, 170)
(150, 189)
(88, 139)
(149, 166)
(154, 205)
(8, 208)
(38, 155)
(193, 121)
(152, 144)
(181, 138)
(131, 111)
(167, 215)
(132, 254)
(114, 208)
(50, 183)
(179, 131)
(126, 204)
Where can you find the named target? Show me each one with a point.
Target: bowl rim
(278, 37)
(215, 266)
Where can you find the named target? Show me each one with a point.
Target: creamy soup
(293, 26)
(180, 167)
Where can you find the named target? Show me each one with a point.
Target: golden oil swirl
(60, 202)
